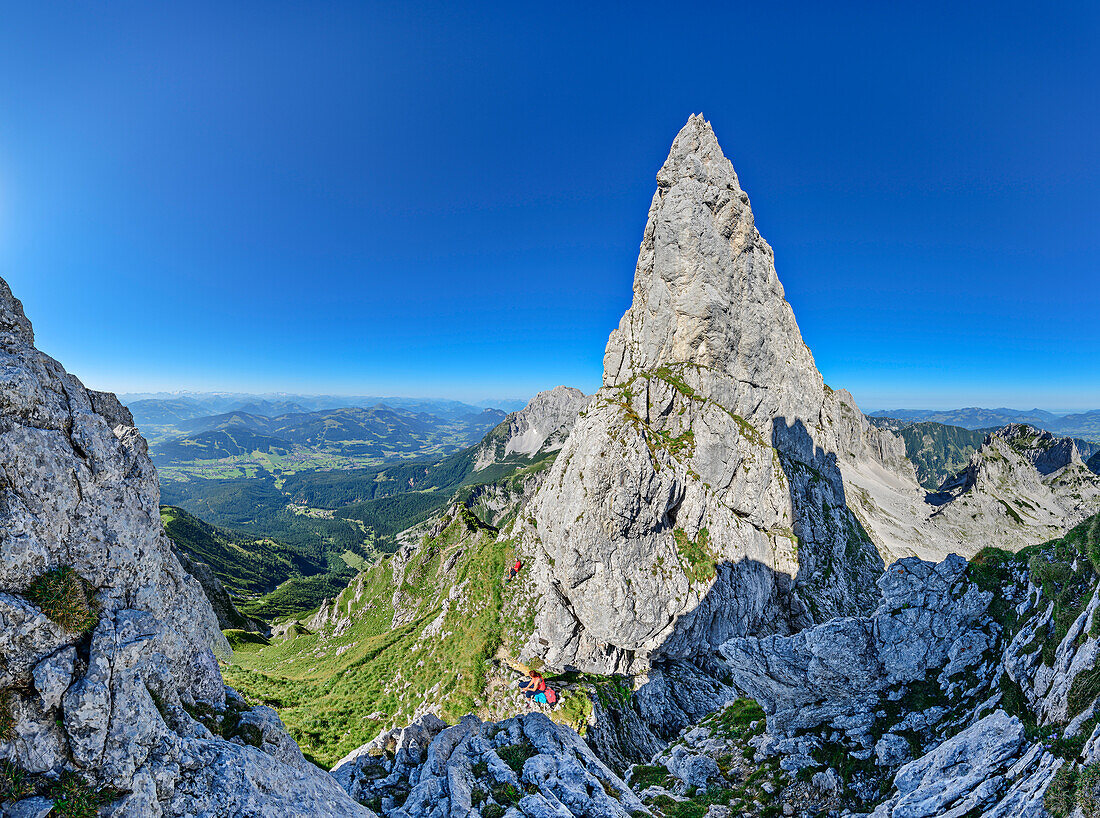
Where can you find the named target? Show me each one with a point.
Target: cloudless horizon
(447, 200)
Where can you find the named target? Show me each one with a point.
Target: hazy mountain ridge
(379, 431)
(1083, 424)
(150, 408)
(363, 509)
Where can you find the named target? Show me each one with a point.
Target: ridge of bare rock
(120, 687)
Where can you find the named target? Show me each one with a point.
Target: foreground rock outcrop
(109, 681)
(522, 766)
(968, 689)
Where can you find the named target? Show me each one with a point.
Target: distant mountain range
(1082, 424)
(168, 409)
(379, 432)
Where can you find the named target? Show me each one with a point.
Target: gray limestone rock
(526, 765)
(389, 759)
(892, 750)
(693, 769)
(53, 675)
(698, 496)
(77, 490)
(541, 426)
(220, 778)
(984, 768)
(219, 599)
(715, 488)
(837, 673)
(34, 807)
(1023, 486)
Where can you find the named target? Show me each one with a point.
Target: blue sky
(447, 199)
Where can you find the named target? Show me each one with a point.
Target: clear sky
(447, 199)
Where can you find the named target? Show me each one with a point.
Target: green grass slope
(245, 565)
(386, 659)
(267, 578)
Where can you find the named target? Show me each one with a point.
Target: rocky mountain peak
(546, 413)
(541, 426)
(706, 294)
(696, 154)
(698, 496)
(12, 319)
(1046, 451)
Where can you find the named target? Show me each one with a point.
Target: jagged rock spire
(706, 292)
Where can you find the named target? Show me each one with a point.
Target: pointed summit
(698, 495)
(695, 153)
(706, 293)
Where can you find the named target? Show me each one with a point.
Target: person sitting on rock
(533, 684)
(535, 688)
(513, 570)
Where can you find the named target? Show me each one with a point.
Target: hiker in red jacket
(535, 687)
(513, 570)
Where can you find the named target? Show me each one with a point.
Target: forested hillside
(937, 451)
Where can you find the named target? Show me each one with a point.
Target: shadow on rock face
(838, 563)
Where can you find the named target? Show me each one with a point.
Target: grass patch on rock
(15, 782)
(7, 718)
(66, 598)
(739, 721)
(696, 558)
(1074, 788)
(73, 797)
(574, 709)
(515, 755)
(644, 776)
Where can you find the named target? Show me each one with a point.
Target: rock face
(942, 691)
(220, 602)
(105, 690)
(699, 495)
(541, 426)
(989, 768)
(526, 765)
(1023, 483)
(930, 620)
(706, 294)
(715, 487)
